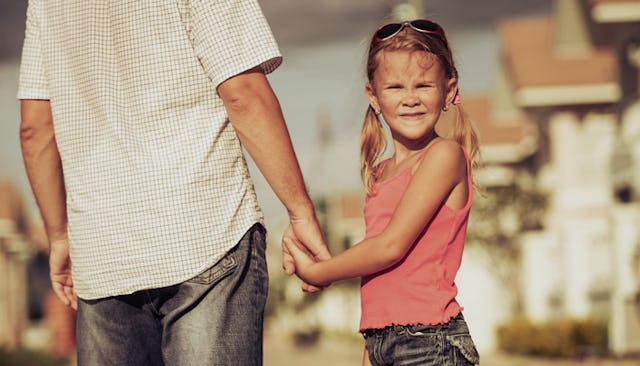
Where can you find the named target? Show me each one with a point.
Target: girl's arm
(442, 168)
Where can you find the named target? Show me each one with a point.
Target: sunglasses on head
(419, 25)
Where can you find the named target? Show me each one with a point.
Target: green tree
(498, 217)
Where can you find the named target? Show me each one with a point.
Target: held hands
(60, 273)
(304, 230)
(305, 266)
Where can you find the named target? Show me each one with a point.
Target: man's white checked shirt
(157, 186)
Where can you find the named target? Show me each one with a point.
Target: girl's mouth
(412, 115)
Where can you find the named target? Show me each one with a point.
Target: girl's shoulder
(444, 153)
(445, 147)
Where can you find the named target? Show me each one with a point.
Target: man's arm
(44, 169)
(254, 112)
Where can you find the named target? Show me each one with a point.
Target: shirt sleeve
(232, 36)
(32, 82)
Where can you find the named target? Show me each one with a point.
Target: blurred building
(575, 77)
(30, 315)
(14, 254)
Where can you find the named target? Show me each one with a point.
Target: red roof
(492, 129)
(533, 61)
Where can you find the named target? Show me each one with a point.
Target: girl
(417, 205)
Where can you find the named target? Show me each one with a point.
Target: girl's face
(410, 89)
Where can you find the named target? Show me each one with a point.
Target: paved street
(281, 352)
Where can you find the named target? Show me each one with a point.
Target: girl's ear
(373, 100)
(452, 90)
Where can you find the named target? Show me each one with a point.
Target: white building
(576, 76)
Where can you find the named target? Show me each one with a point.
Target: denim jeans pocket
(221, 269)
(420, 330)
(416, 347)
(466, 349)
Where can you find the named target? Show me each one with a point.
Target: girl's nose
(411, 99)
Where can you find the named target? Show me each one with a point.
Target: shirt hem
(38, 94)
(268, 63)
(90, 295)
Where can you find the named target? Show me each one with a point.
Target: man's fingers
(288, 264)
(58, 289)
(306, 287)
(310, 288)
(289, 247)
(73, 298)
(318, 250)
(298, 249)
(323, 253)
(289, 255)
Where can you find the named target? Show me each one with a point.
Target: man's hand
(60, 273)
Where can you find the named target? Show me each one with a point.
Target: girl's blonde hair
(372, 138)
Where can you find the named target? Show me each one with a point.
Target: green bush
(563, 338)
(29, 358)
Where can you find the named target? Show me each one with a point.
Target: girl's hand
(306, 267)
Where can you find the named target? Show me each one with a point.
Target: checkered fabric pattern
(157, 185)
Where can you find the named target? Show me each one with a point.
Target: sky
(321, 78)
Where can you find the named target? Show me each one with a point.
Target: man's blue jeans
(216, 318)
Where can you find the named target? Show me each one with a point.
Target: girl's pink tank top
(421, 287)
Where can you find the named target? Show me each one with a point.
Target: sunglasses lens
(425, 25)
(388, 30)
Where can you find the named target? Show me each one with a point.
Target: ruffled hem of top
(381, 324)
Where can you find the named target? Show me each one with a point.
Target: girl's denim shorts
(448, 344)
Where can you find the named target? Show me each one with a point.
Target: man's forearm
(257, 118)
(255, 114)
(43, 166)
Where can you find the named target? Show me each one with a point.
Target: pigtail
(465, 134)
(372, 145)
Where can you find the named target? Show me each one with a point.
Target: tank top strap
(380, 168)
